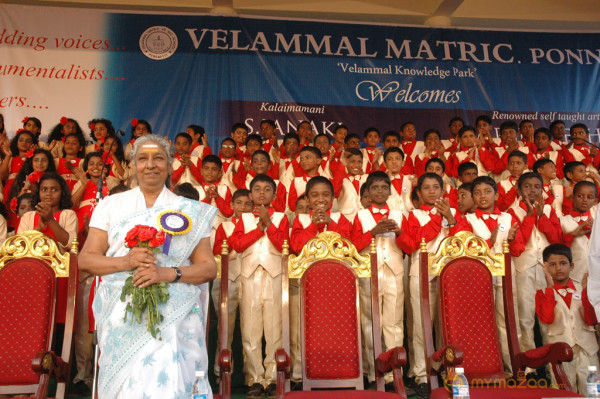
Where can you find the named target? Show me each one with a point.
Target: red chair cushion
(27, 288)
(502, 393)
(468, 315)
(341, 395)
(329, 290)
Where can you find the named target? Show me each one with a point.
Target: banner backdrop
(176, 70)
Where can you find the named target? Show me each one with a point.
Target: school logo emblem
(158, 42)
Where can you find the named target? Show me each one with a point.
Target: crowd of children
(527, 186)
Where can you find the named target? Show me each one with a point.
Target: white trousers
(528, 283)
(260, 314)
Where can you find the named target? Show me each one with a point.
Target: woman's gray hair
(152, 138)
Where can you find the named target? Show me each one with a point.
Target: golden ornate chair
(225, 356)
(329, 268)
(465, 266)
(31, 266)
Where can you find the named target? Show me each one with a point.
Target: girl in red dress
(100, 129)
(139, 128)
(14, 158)
(54, 217)
(56, 138)
(72, 155)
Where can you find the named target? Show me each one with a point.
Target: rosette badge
(173, 223)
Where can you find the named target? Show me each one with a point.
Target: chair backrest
(30, 264)
(329, 268)
(465, 266)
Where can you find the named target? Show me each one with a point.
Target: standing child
(114, 159)
(557, 128)
(465, 202)
(437, 166)
(54, 217)
(553, 191)
(71, 156)
(56, 138)
(185, 166)
(579, 149)
(575, 172)
(288, 163)
(339, 135)
(384, 224)
(227, 157)
(200, 147)
(241, 204)
(508, 144)
(410, 146)
(15, 155)
(268, 131)
(139, 128)
(371, 151)
(310, 162)
(495, 227)
(476, 150)
(260, 164)
(349, 196)
(564, 308)
(433, 149)
(577, 226)
(100, 129)
(401, 188)
(543, 149)
(213, 191)
(540, 226)
(258, 237)
(433, 221)
(454, 126)
(36, 164)
(239, 134)
(507, 188)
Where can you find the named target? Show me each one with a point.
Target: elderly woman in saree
(133, 363)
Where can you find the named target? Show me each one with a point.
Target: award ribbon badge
(173, 223)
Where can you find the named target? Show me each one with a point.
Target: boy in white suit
(564, 308)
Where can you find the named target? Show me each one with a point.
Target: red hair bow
(20, 130)
(29, 153)
(134, 122)
(25, 119)
(63, 120)
(92, 126)
(35, 177)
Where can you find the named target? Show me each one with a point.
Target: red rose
(132, 235)
(131, 243)
(134, 122)
(158, 240)
(13, 204)
(63, 120)
(24, 121)
(146, 234)
(29, 153)
(92, 126)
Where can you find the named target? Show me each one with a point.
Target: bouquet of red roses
(145, 300)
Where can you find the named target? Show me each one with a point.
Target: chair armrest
(393, 359)
(47, 362)
(225, 360)
(450, 356)
(283, 371)
(551, 353)
(555, 354)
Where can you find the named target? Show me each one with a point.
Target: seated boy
(564, 308)
(241, 204)
(185, 166)
(577, 226)
(542, 149)
(507, 188)
(540, 226)
(258, 238)
(383, 223)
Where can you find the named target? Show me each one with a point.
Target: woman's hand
(147, 275)
(139, 257)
